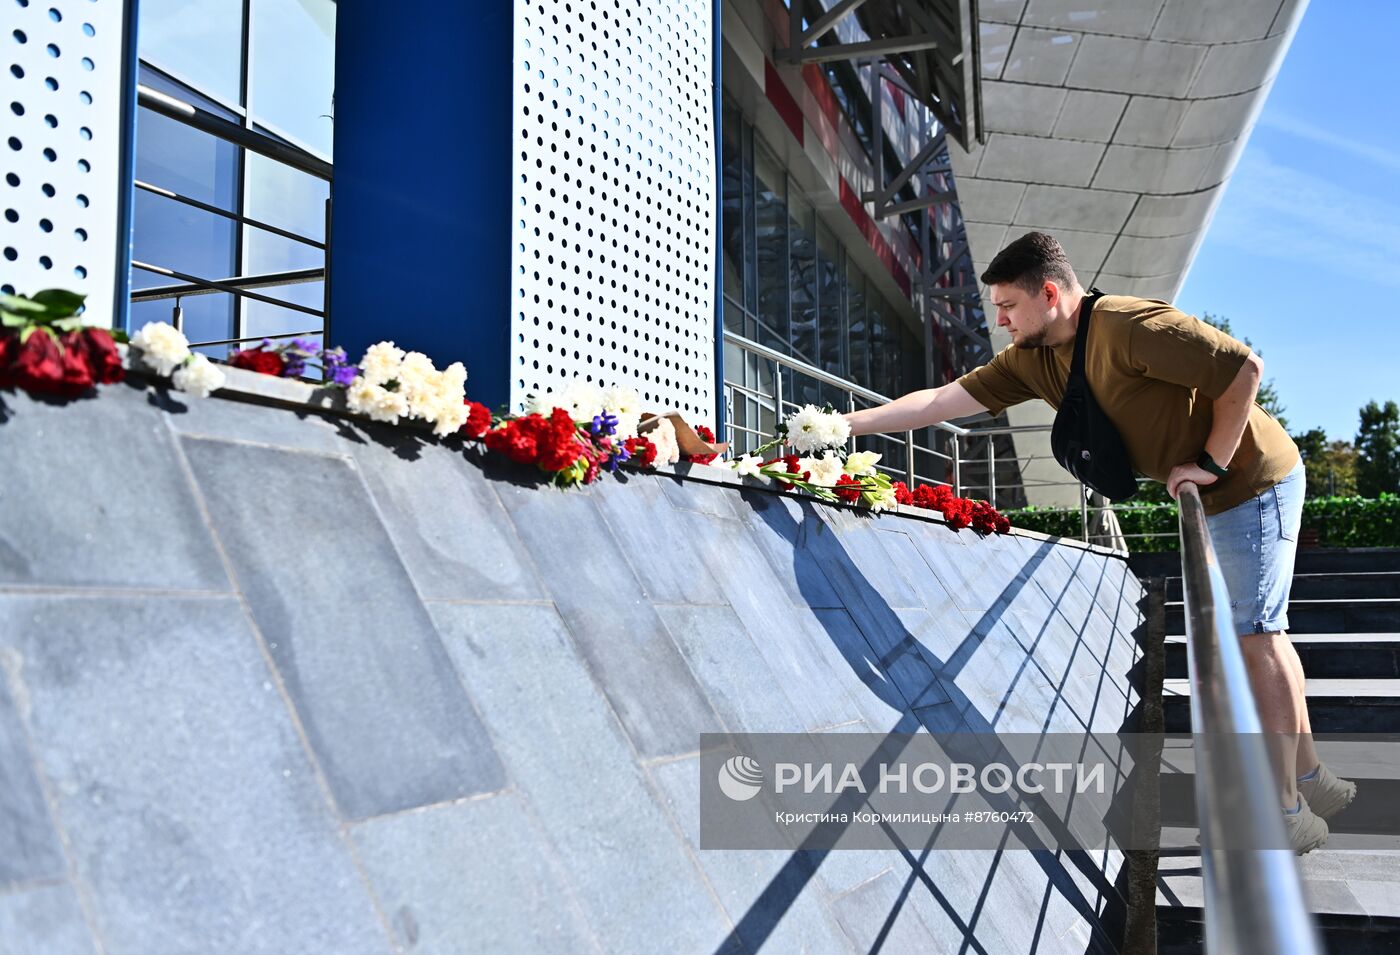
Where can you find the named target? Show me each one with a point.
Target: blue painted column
(420, 234)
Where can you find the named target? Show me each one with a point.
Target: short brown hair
(1030, 262)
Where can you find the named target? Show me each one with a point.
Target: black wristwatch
(1206, 463)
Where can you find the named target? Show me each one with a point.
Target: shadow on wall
(923, 691)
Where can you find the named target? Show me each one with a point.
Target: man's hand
(1188, 472)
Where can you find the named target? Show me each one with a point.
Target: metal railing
(970, 449)
(242, 286)
(1253, 899)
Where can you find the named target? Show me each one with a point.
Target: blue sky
(1303, 255)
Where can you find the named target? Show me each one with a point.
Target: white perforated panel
(614, 189)
(60, 92)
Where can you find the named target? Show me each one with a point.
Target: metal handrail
(1253, 899)
(230, 287)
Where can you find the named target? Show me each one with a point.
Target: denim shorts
(1256, 543)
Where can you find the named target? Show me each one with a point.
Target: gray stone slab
(1041, 56)
(628, 650)
(642, 518)
(996, 44)
(298, 429)
(1090, 115)
(1147, 169)
(735, 676)
(770, 895)
(1236, 67)
(451, 532)
(44, 920)
(194, 818)
(875, 920)
(1023, 108)
(712, 500)
(1188, 22)
(1060, 162)
(1120, 65)
(31, 849)
(474, 876)
(117, 509)
(780, 526)
(345, 628)
(1120, 19)
(894, 661)
(880, 558)
(963, 568)
(989, 200)
(568, 754)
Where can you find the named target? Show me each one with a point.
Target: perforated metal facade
(61, 82)
(615, 195)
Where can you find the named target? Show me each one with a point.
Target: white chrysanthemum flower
(834, 429)
(163, 347)
(861, 463)
(664, 437)
(449, 418)
(416, 375)
(198, 377)
(825, 470)
(583, 401)
(805, 430)
(376, 401)
(749, 466)
(626, 404)
(381, 363)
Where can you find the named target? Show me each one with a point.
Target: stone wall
(274, 680)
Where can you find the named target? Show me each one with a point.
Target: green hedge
(1338, 522)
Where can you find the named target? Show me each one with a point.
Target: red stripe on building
(778, 94)
(850, 201)
(822, 92)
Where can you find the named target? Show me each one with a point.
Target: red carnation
(848, 488)
(1003, 525)
(902, 494)
(478, 420)
(708, 437)
(103, 359)
(958, 512)
(516, 440)
(38, 366)
(259, 360)
(559, 446)
(641, 451)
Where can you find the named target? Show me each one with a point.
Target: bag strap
(1081, 334)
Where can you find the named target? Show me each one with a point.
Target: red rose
(77, 375)
(258, 360)
(104, 361)
(848, 488)
(9, 349)
(902, 494)
(38, 367)
(641, 451)
(478, 420)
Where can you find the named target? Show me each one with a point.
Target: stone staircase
(1345, 619)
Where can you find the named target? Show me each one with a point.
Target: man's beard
(1032, 341)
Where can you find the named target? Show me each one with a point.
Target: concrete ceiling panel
(985, 241)
(1209, 122)
(1150, 121)
(1088, 210)
(1001, 11)
(1157, 216)
(996, 44)
(1149, 257)
(989, 200)
(1020, 108)
(1132, 19)
(1238, 67)
(1160, 287)
(1033, 159)
(1086, 250)
(1119, 65)
(1089, 115)
(1191, 21)
(1041, 56)
(1154, 171)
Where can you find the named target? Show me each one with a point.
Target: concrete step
(1371, 615)
(1310, 560)
(1180, 931)
(1324, 655)
(1327, 586)
(1335, 706)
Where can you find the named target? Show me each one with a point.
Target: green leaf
(119, 336)
(59, 302)
(13, 320)
(20, 305)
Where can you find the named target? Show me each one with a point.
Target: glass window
(858, 330)
(733, 216)
(832, 323)
(292, 76)
(772, 250)
(198, 41)
(262, 319)
(285, 197)
(802, 261)
(177, 157)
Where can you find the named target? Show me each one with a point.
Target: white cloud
(1275, 211)
(1294, 126)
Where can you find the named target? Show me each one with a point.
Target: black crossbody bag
(1083, 440)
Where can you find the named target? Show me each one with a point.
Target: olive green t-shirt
(1155, 372)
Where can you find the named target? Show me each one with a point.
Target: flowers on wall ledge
(573, 435)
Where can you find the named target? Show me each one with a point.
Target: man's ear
(1051, 293)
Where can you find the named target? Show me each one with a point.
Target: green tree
(1267, 398)
(1378, 450)
(1331, 465)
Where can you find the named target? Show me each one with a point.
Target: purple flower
(604, 424)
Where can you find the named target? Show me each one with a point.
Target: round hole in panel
(88, 64)
(20, 36)
(49, 190)
(51, 83)
(11, 215)
(15, 144)
(80, 234)
(46, 262)
(53, 50)
(17, 71)
(12, 179)
(54, 15)
(86, 97)
(80, 272)
(11, 253)
(46, 225)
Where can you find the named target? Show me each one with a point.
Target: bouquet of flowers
(46, 349)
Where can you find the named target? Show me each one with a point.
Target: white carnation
(664, 437)
(861, 463)
(376, 401)
(750, 466)
(825, 470)
(199, 376)
(381, 363)
(163, 347)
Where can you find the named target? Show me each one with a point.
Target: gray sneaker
(1306, 830)
(1327, 794)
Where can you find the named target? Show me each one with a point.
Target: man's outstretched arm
(918, 409)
